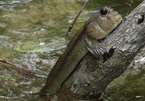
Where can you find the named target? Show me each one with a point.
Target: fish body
(86, 40)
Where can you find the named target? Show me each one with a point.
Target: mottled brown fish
(86, 40)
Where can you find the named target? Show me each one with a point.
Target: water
(32, 35)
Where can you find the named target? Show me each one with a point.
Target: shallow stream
(32, 36)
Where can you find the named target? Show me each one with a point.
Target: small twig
(71, 26)
(18, 68)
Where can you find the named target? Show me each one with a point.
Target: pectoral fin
(95, 48)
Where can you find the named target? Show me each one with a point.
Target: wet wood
(92, 75)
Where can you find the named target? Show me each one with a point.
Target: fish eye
(103, 11)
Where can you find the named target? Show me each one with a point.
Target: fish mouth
(117, 17)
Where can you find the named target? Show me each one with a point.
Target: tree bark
(92, 76)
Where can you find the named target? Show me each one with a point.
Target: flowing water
(32, 36)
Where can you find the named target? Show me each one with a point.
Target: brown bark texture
(91, 77)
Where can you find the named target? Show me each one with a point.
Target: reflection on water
(32, 34)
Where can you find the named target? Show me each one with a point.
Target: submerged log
(92, 75)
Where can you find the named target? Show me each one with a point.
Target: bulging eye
(103, 11)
